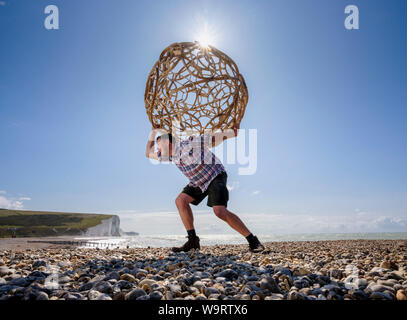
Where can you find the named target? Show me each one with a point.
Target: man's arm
(150, 144)
(219, 137)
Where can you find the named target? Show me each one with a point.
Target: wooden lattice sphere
(195, 88)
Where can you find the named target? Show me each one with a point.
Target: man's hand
(151, 141)
(236, 129)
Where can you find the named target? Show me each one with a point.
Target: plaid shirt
(196, 161)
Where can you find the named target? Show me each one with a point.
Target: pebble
(86, 286)
(198, 284)
(147, 282)
(103, 286)
(114, 275)
(336, 274)
(39, 263)
(380, 288)
(73, 296)
(134, 294)
(401, 294)
(42, 296)
(210, 290)
(274, 297)
(301, 272)
(380, 295)
(294, 295)
(228, 274)
(361, 282)
(269, 284)
(128, 277)
(389, 265)
(156, 295)
(96, 295)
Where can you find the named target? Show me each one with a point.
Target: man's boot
(192, 243)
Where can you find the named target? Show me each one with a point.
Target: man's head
(164, 145)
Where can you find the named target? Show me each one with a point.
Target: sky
(328, 104)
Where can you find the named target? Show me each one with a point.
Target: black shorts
(217, 192)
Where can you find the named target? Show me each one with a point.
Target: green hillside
(22, 223)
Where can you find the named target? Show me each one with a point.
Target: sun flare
(204, 40)
(205, 36)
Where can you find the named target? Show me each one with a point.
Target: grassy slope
(42, 223)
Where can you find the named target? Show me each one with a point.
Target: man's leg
(185, 211)
(237, 224)
(232, 219)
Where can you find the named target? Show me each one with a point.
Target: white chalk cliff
(108, 228)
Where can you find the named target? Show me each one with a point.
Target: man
(207, 177)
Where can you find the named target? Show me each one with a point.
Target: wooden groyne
(77, 243)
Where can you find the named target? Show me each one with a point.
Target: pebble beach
(301, 270)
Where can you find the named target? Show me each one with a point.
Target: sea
(154, 241)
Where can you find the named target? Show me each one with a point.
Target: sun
(204, 40)
(205, 36)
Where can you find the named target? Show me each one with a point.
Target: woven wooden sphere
(194, 88)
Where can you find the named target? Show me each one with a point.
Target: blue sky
(329, 105)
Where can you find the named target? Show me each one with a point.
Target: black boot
(192, 243)
(255, 245)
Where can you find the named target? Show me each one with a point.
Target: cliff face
(107, 228)
(28, 223)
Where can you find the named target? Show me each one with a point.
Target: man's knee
(181, 201)
(220, 212)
